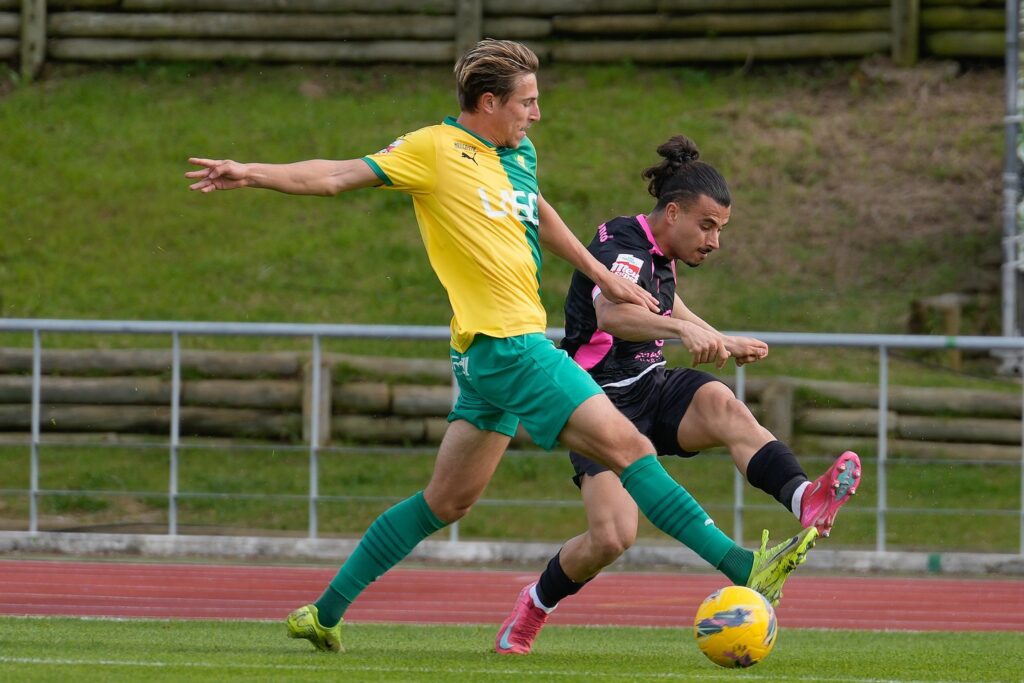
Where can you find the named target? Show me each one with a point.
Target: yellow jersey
(476, 206)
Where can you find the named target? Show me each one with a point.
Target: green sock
(737, 564)
(390, 538)
(673, 510)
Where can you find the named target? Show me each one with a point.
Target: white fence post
(883, 437)
(172, 485)
(37, 378)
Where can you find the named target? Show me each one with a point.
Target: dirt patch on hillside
(882, 178)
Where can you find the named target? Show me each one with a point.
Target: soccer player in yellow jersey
(473, 183)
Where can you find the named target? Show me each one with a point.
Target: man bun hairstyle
(682, 178)
(492, 66)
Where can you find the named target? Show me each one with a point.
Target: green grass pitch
(65, 649)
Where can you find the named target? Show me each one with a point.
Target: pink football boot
(826, 494)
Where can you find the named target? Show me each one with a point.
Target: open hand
(620, 291)
(217, 174)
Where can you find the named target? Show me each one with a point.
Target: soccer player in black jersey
(681, 410)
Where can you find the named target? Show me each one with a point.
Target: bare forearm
(635, 323)
(681, 312)
(313, 177)
(316, 176)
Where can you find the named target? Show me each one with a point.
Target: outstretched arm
(743, 349)
(633, 323)
(313, 177)
(557, 237)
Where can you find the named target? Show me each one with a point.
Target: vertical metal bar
(314, 438)
(738, 485)
(883, 432)
(33, 476)
(172, 486)
(1011, 179)
(453, 528)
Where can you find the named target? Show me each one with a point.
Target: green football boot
(303, 623)
(772, 566)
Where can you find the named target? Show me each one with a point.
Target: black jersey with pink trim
(626, 247)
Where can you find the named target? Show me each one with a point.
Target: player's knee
(721, 402)
(609, 543)
(450, 511)
(448, 507)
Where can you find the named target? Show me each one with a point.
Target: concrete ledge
(475, 552)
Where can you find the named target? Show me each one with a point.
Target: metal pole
(314, 438)
(1011, 178)
(1022, 465)
(37, 378)
(172, 492)
(883, 432)
(737, 478)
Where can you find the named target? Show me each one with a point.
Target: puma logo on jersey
(471, 158)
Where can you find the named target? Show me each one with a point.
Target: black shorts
(656, 404)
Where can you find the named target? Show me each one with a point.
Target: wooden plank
(919, 399)
(250, 25)
(960, 429)
(905, 448)
(517, 28)
(906, 31)
(925, 428)
(83, 4)
(962, 18)
(10, 24)
(734, 49)
(127, 361)
(389, 430)
(10, 4)
(767, 22)
(115, 50)
(195, 421)
(421, 369)
(326, 6)
(33, 37)
(762, 5)
(362, 397)
(276, 394)
(965, 43)
(552, 7)
(964, 3)
(409, 399)
(469, 20)
(857, 422)
(8, 48)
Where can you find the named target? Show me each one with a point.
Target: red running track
(117, 589)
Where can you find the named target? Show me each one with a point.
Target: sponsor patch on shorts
(627, 267)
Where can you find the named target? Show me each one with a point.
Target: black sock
(774, 470)
(554, 585)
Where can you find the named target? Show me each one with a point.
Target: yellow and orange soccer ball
(735, 627)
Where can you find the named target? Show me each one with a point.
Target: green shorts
(524, 378)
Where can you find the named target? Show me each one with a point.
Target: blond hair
(492, 66)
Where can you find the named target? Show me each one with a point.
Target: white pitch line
(519, 673)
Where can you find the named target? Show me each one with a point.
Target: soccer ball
(735, 627)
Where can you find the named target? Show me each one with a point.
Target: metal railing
(316, 333)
